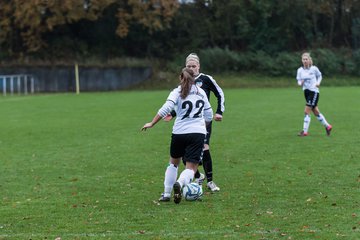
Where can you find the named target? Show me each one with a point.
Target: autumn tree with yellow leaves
(153, 14)
(23, 23)
(166, 28)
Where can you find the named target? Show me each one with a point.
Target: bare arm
(155, 120)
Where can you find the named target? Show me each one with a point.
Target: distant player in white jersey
(309, 77)
(193, 111)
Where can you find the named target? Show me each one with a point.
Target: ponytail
(186, 81)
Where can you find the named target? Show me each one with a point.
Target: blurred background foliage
(229, 35)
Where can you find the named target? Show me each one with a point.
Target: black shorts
(208, 133)
(311, 98)
(188, 146)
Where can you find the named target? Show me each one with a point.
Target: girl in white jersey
(309, 77)
(193, 110)
(208, 84)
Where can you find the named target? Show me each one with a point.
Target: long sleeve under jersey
(191, 112)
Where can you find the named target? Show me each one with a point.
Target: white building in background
(193, 1)
(186, 1)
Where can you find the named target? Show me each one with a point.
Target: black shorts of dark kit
(188, 146)
(311, 98)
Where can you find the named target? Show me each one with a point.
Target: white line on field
(114, 234)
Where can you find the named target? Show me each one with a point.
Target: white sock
(322, 120)
(186, 177)
(307, 120)
(170, 178)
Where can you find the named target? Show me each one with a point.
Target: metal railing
(17, 83)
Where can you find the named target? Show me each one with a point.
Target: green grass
(167, 80)
(78, 167)
(251, 80)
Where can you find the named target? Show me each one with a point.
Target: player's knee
(316, 111)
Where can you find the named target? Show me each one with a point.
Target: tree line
(68, 29)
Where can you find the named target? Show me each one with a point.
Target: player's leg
(306, 123)
(207, 161)
(187, 175)
(192, 156)
(171, 173)
(208, 168)
(307, 118)
(323, 121)
(321, 117)
(199, 177)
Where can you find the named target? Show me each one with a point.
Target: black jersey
(208, 84)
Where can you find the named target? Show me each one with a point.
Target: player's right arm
(170, 103)
(164, 110)
(169, 116)
(300, 81)
(152, 123)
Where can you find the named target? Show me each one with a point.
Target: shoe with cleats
(328, 130)
(212, 187)
(164, 198)
(303, 134)
(177, 193)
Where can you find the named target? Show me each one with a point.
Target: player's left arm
(318, 77)
(164, 110)
(155, 120)
(219, 94)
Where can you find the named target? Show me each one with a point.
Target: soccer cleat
(200, 180)
(163, 198)
(303, 134)
(212, 186)
(177, 193)
(328, 130)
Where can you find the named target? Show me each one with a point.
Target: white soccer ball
(192, 191)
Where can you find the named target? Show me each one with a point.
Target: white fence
(21, 83)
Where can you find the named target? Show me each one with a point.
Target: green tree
(23, 22)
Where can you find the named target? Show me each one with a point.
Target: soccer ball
(192, 191)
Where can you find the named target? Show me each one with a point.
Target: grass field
(78, 167)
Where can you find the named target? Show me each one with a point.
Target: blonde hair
(186, 81)
(192, 57)
(307, 54)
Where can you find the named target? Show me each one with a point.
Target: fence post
(12, 85)
(19, 85)
(77, 82)
(25, 85)
(32, 84)
(4, 86)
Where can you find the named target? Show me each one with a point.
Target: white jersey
(191, 112)
(311, 76)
